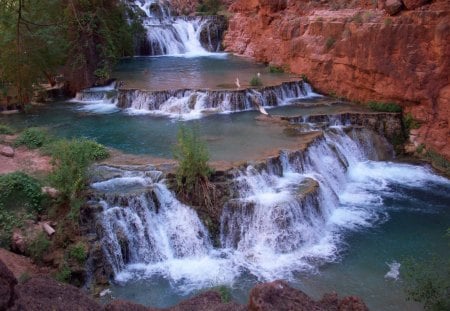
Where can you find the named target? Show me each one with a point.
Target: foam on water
(394, 270)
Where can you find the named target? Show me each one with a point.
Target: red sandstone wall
(369, 56)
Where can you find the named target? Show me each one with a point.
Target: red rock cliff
(360, 53)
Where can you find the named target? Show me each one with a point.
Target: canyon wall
(358, 51)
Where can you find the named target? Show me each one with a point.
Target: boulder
(414, 4)
(18, 243)
(7, 283)
(45, 293)
(393, 7)
(279, 296)
(7, 151)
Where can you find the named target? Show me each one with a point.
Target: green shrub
(8, 221)
(438, 160)
(78, 253)
(357, 18)
(209, 7)
(410, 123)
(330, 42)
(225, 293)
(20, 190)
(6, 130)
(304, 78)
(64, 274)
(33, 138)
(72, 159)
(24, 277)
(192, 156)
(384, 107)
(256, 81)
(38, 247)
(276, 69)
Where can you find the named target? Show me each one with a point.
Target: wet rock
(7, 151)
(414, 4)
(7, 283)
(44, 293)
(279, 296)
(393, 7)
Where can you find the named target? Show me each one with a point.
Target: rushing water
(345, 235)
(167, 35)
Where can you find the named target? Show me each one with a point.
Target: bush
(78, 253)
(192, 156)
(209, 7)
(72, 159)
(20, 190)
(304, 78)
(6, 130)
(385, 107)
(225, 293)
(437, 160)
(38, 247)
(410, 123)
(8, 221)
(256, 81)
(276, 69)
(64, 274)
(32, 138)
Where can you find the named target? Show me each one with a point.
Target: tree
(32, 45)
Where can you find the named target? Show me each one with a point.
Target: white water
(269, 230)
(169, 35)
(190, 104)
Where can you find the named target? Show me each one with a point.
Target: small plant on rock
(256, 81)
(32, 138)
(38, 247)
(78, 253)
(193, 172)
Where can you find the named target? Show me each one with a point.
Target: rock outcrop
(279, 295)
(358, 51)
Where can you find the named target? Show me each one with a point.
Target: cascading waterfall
(191, 104)
(286, 216)
(168, 35)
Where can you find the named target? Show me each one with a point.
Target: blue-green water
(155, 136)
(211, 72)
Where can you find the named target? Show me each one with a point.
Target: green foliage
(72, 159)
(20, 190)
(330, 42)
(437, 160)
(388, 21)
(225, 293)
(64, 274)
(409, 122)
(38, 247)
(304, 78)
(33, 138)
(78, 253)
(192, 156)
(8, 221)
(428, 282)
(256, 81)
(209, 7)
(420, 148)
(6, 130)
(32, 44)
(384, 107)
(276, 69)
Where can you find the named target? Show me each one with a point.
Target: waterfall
(285, 215)
(189, 104)
(175, 35)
